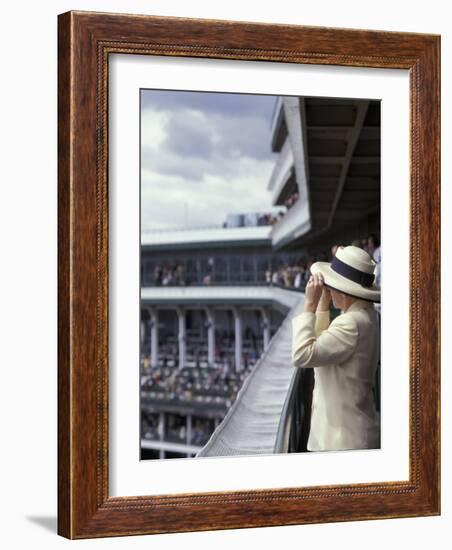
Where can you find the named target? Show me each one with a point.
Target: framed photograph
(233, 351)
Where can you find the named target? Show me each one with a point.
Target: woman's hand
(314, 290)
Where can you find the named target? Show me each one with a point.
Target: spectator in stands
(225, 369)
(299, 277)
(179, 275)
(287, 276)
(268, 276)
(158, 275)
(309, 263)
(374, 249)
(344, 353)
(182, 432)
(291, 200)
(167, 276)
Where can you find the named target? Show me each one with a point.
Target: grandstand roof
(329, 153)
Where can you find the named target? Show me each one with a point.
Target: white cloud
(153, 132)
(198, 166)
(170, 201)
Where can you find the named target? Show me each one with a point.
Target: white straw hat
(351, 271)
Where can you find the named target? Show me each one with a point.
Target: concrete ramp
(251, 424)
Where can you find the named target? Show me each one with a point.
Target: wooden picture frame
(85, 42)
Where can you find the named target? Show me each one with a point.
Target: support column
(161, 432)
(154, 325)
(142, 334)
(266, 327)
(189, 427)
(210, 335)
(238, 339)
(181, 314)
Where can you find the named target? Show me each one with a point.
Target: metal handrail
(294, 424)
(287, 413)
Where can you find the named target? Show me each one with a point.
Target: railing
(293, 429)
(147, 283)
(295, 223)
(282, 170)
(250, 425)
(276, 108)
(217, 225)
(185, 228)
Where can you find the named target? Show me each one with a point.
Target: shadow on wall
(49, 523)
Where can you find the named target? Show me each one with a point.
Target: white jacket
(345, 357)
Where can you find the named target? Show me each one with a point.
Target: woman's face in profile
(338, 299)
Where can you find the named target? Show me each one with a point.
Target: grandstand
(201, 340)
(216, 302)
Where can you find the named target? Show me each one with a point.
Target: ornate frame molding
(85, 42)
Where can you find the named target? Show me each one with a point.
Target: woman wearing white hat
(344, 353)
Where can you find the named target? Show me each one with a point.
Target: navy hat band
(356, 275)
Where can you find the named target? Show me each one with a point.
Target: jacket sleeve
(332, 346)
(322, 321)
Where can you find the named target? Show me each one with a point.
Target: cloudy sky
(203, 156)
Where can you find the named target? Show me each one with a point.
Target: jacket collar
(361, 304)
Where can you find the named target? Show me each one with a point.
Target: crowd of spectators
(224, 354)
(296, 275)
(291, 200)
(212, 388)
(270, 219)
(169, 275)
(293, 275)
(216, 385)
